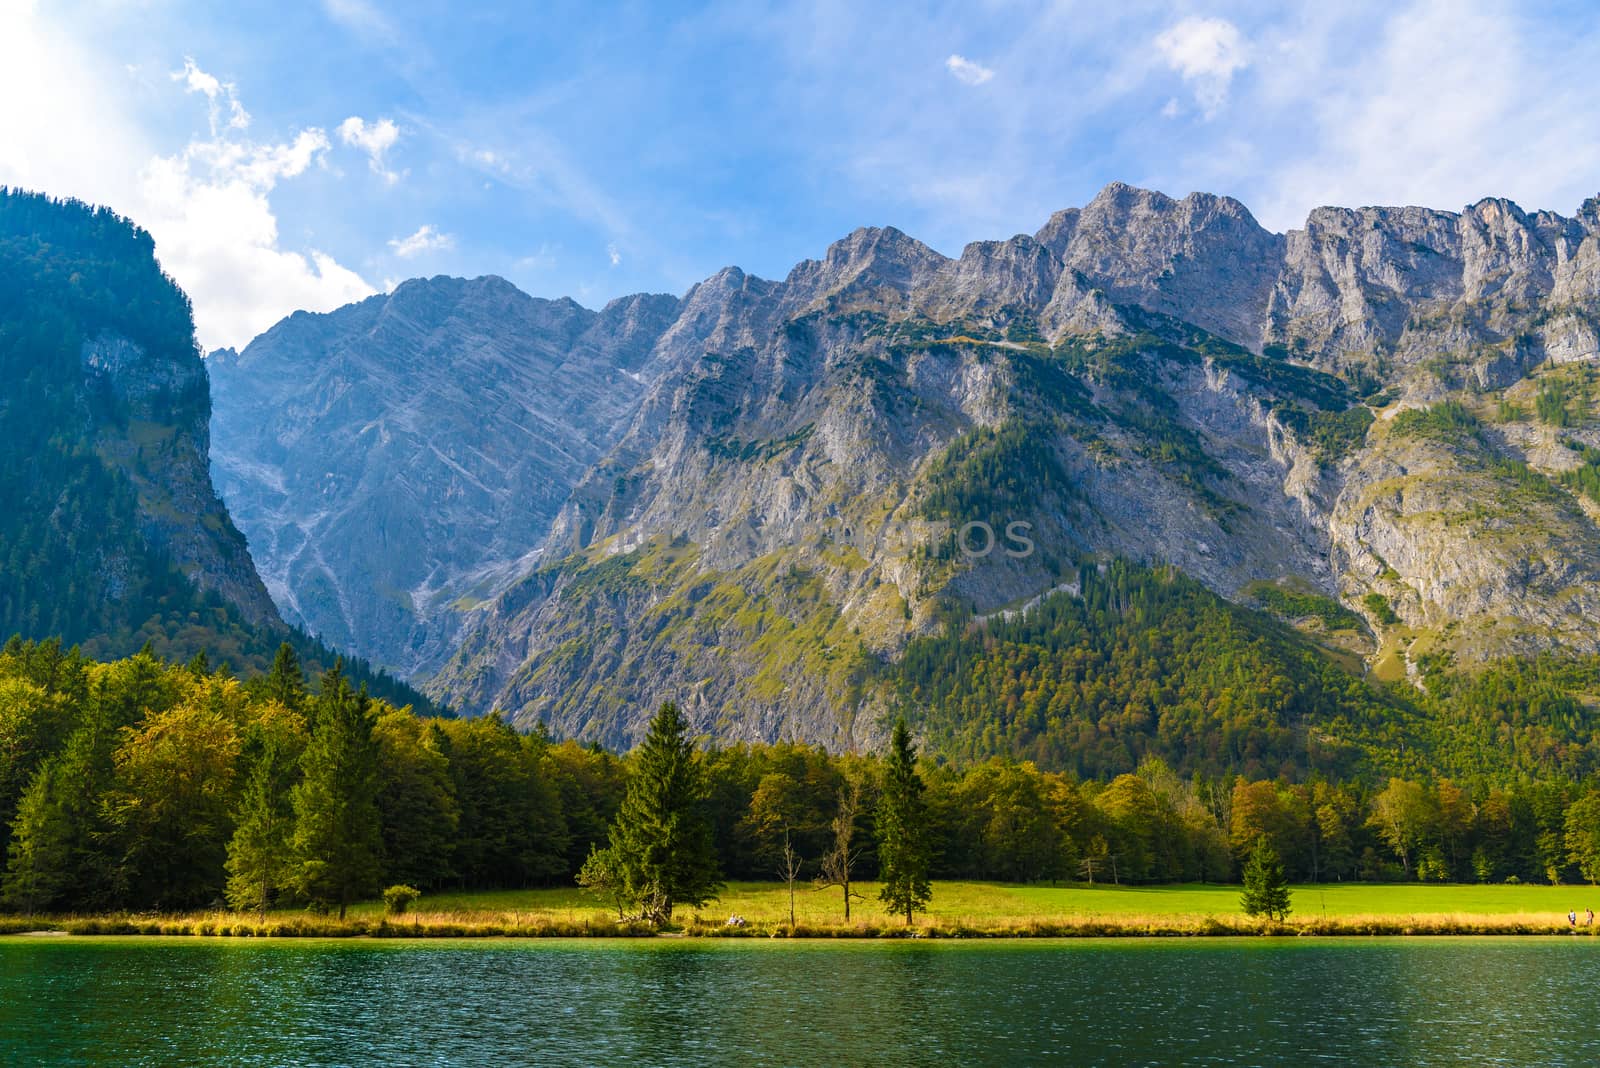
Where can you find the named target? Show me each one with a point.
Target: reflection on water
(159, 1002)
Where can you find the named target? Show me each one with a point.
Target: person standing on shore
(1572, 919)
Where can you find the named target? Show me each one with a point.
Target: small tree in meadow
(602, 875)
(904, 851)
(838, 863)
(661, 839)
(1266, 887)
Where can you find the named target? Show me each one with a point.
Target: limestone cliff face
(779, 499)
(395, 462)
(153, 426)
(112, 535)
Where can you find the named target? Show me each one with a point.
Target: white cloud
(375, 139)
(208, 205)
(966, 71)
(210, 213)
(426, 239)
(1207, 52)
(217, 92)
(1445, 103)
(614, 255)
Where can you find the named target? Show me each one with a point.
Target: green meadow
(958, 909)
(982, 903)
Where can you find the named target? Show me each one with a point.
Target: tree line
(139, 784)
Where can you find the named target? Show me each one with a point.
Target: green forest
(138, 784)
(1146, 663)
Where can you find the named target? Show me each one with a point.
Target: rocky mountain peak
(1589, 215)
(1203, 258)
(872, 267)
(992, 275)
(396, 461)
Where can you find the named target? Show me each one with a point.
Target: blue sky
(300, 155)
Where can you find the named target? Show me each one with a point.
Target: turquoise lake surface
(142, 1001)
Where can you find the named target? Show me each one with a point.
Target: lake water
(674, 1002)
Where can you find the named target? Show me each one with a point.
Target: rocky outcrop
(396, 462)
(153, 425)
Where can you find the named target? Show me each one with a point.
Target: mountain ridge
(1179, 384)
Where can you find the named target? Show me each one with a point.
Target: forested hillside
(111, 535)
(1138, 663)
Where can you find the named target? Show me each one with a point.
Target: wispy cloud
(426, 239)
(1206, 52)
(221, 95)
(375, 139)
(966, 71)
(1497, 113)
(614, 255)
(362, 17)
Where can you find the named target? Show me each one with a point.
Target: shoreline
(424, 927)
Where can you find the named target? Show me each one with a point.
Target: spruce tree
(57, 859)
(286, 682)
(337, 841)
(260, 857)
(903, 847)
(1266, 887)
(661, 839)
(39, 870)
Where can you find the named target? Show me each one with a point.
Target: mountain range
(764, 498)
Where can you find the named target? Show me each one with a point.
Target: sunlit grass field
(997, 900)
(958, 909)
(978, 903)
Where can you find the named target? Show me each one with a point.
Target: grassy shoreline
(960, 911)
(230, 925)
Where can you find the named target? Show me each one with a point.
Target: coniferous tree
(39, 867)
(510, 831)
(34, 722)
(260, 855)
(56, 857)
(1266, 887)
(903, 840)
(661, 838)
(286, 682)
(416, 800)
(337, 844)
